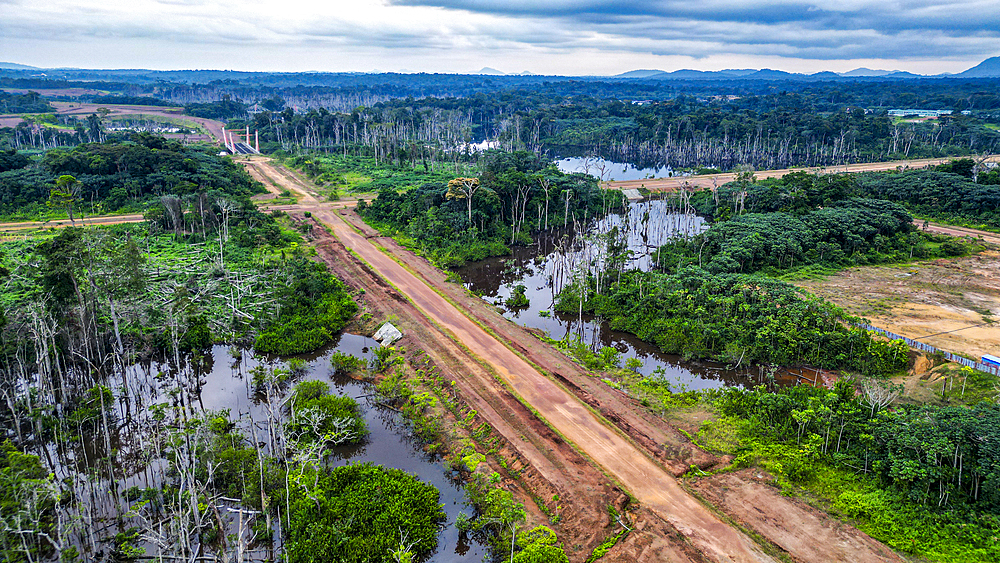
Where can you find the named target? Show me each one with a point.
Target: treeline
(962, 189)
(473, 218)
(131, 100)
(685, 132)
(32, 102)
(847, 232)
(115, 176)
(734, 318)
(923, 479)
(943, 195)
(226, 108)
(772, 131)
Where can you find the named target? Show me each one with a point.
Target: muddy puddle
(222, 380)
(543, 269)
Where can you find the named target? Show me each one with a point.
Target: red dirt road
(85, 222)
(715, 180)
(652, 485)
(986, 236)
(80, 109)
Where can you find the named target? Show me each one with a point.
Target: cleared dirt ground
(81, 109)
(748, 497)
(715, 180)
(952, 304)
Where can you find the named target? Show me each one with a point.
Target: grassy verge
(954, 535)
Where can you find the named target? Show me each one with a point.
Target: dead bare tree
(879, 393)
(460, 188)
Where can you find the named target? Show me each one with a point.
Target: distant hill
(16, 66)
(824, 75)
(738, 71)
(988, 68)
(489, 71)
(902, 74)
(770, 74)
(639, 74)
(866, 72)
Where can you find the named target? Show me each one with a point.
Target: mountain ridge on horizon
(988, 68)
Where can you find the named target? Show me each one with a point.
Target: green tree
(64, 195)
(463, 188)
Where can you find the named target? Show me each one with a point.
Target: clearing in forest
(953, 304)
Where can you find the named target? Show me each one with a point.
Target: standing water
(107, 469)
(546, 266)
(609, 170)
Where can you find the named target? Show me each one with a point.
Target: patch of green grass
(810, 272)
(956, 535)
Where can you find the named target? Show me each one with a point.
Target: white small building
(919, 112)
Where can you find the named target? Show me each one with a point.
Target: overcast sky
(585, 37)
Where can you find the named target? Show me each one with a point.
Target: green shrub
(318, 415)
(361, 513)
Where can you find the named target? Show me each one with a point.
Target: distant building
(919, 112)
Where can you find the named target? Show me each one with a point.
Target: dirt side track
(677, 183)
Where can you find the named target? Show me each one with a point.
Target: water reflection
(222, 380)
(612, 170)
(542, 269)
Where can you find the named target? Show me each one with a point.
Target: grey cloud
(779, 23)
(799, 29)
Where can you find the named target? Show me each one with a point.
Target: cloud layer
(555, 36)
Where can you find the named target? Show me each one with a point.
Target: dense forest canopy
(516, 194)
(683, 123)
(115, 176)
(31, 102)
(962, 189)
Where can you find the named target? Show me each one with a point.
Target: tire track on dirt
(648, 482)
(275, 177)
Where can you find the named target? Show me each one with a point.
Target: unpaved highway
(714, 180)
(276, 178)
(985, 236)
(85, 222)
(80, 109)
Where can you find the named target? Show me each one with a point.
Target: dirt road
(649, 482)
(86, 221)
(985, 236)
(278, 178)
(80, 109)
(715, 180)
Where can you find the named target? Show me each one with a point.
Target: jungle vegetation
(515, 195)
(734, 318)
(963, 190)
(117, 176)
(919, 478)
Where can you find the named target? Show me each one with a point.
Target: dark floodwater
(389, 442)
(542, 269)
(224, 383)
(612, 170)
